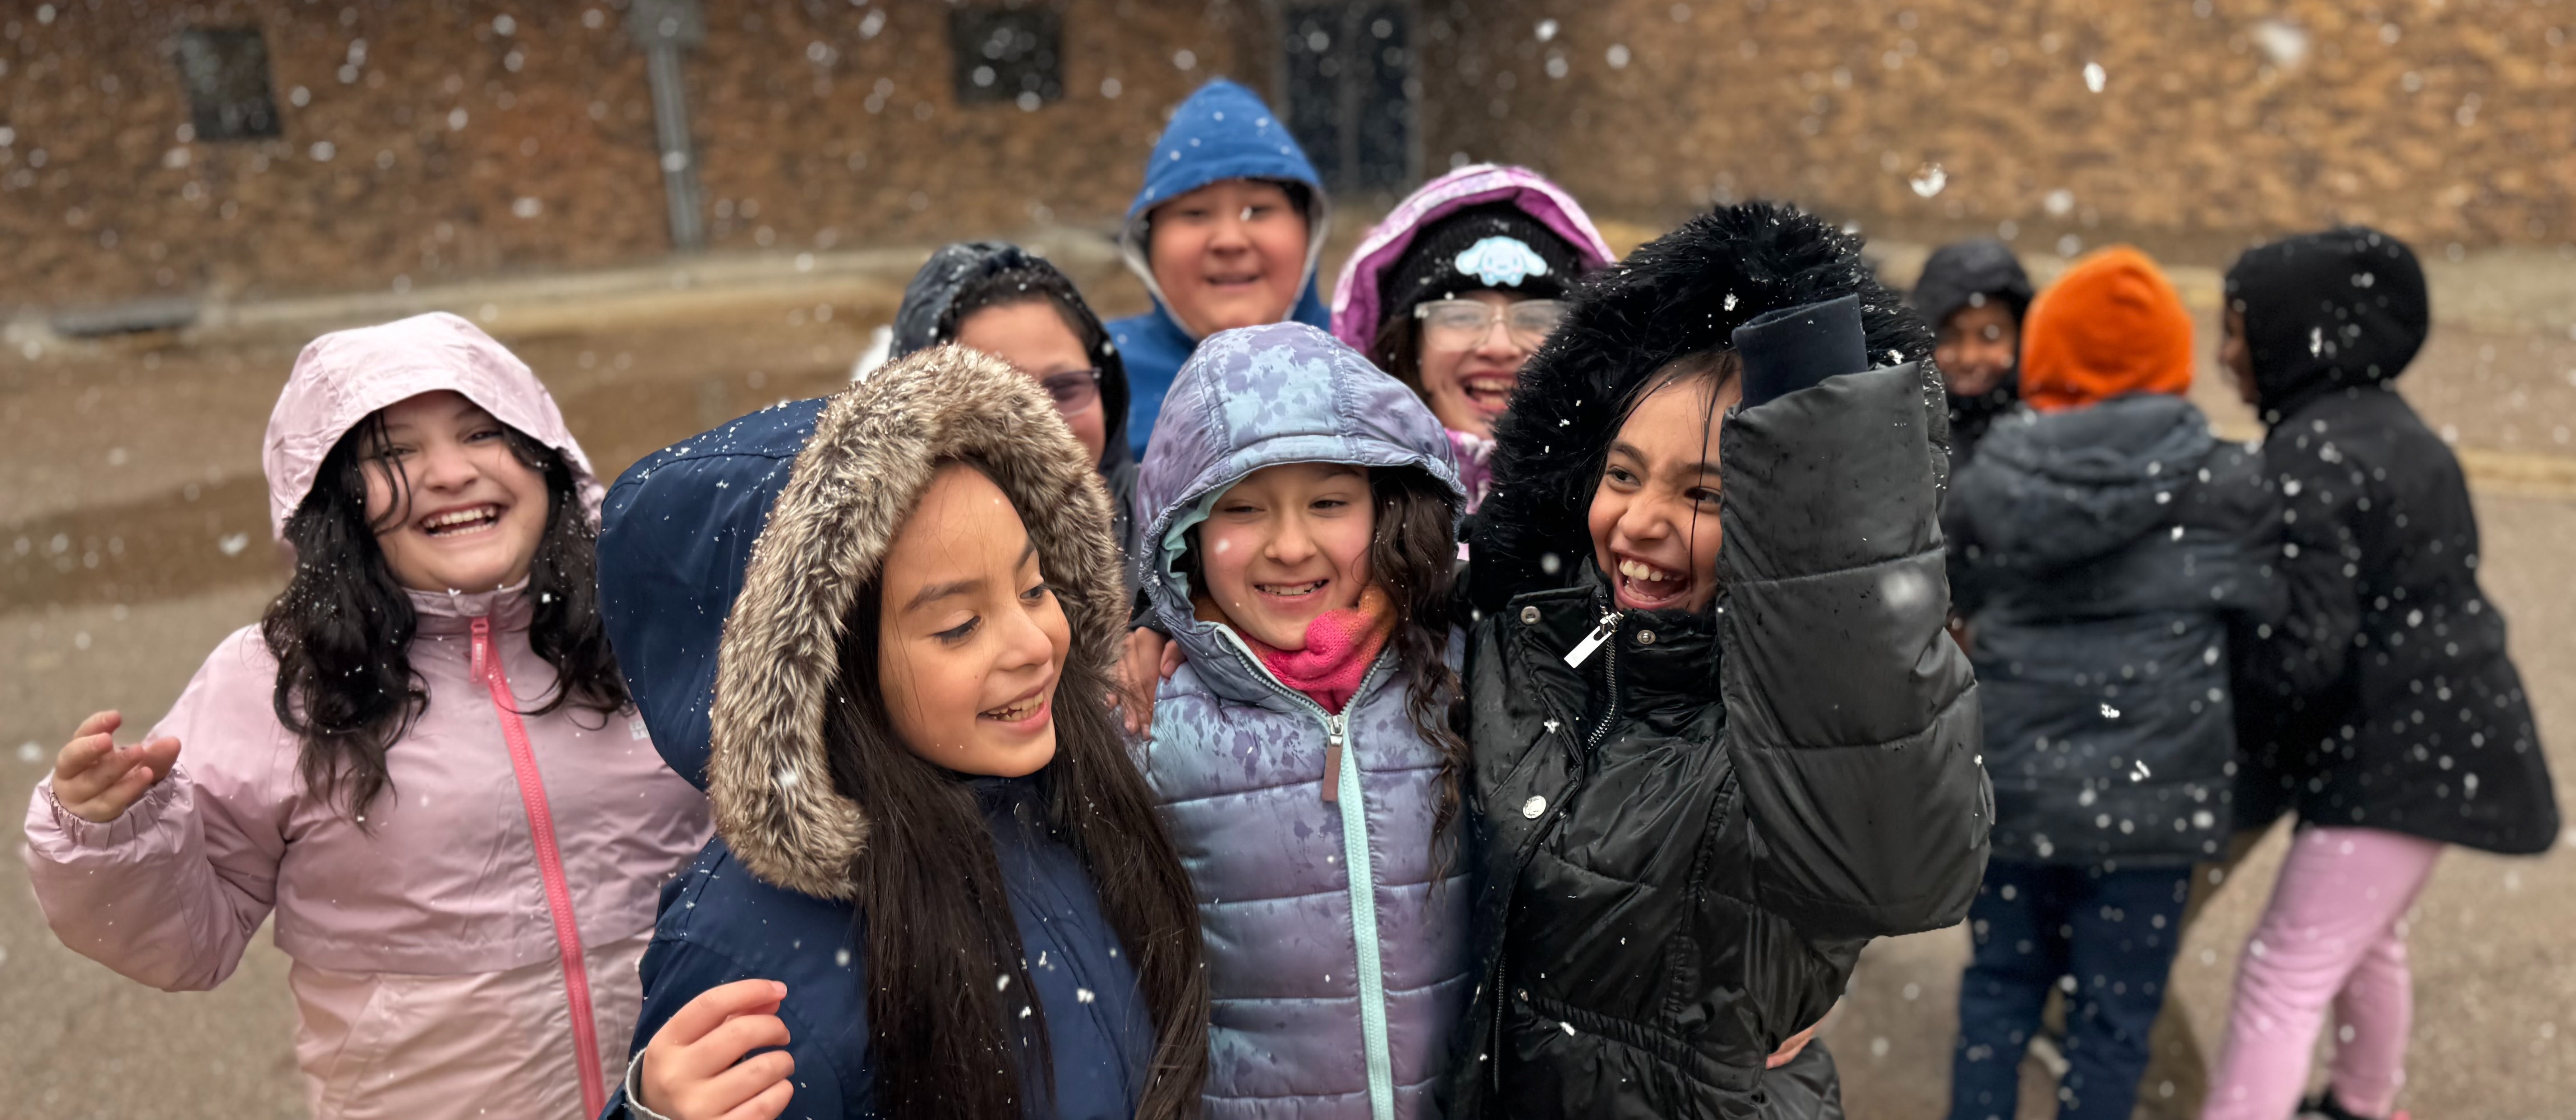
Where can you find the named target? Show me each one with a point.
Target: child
(938, 888)
(2386, 713)
(1305, 507)
(1226, 232)
(1706, 777)
(1477, 249)
(1974, 294)
(2117, 541)
(422, 759)
(994, 297)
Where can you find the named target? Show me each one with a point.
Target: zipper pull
(482, 645)
(1333, 760)
(1582, 650)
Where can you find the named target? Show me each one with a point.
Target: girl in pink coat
(422, 760)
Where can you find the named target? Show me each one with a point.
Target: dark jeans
(2111, 936)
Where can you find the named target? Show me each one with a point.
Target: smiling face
(1229, 254)
(1977, 347)
(1468, 386)
(1286, 544)
(454, 507)
(970, 641)
(1654, 522)
(1033, 338)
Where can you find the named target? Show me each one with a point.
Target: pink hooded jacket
(469, 951)
(1355, 295)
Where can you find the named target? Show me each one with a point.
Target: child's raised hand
(694, 1068)
(98, 780)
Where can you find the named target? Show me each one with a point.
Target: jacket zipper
(541, 832)
(1369, 966)
(1581, 652)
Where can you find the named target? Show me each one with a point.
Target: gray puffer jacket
(1337, 940)
(2112, 548)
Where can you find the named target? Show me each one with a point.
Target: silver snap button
(1531, 808)
(1645, 637)
(1529, 616)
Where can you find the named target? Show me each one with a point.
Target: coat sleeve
(2306, 651)
(170, 893)
(1852, 717)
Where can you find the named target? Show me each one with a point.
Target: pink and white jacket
(1355, 295)
(470, 948)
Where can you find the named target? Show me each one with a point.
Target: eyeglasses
(1458, 324)
(1073, 391)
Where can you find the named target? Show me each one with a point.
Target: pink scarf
(1340, 647)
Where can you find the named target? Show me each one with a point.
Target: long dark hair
(1413, 554)
(1397, 349)
(342, 629)
(939, 1030)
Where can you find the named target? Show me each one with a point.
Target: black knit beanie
(1492, 247)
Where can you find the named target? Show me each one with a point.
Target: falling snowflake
(1928, 180)
(2094, 76)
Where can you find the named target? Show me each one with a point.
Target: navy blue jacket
(1222, 132)
(675, 552)
(719, 924)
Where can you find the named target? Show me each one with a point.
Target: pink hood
(1355, 297)
(344, 375)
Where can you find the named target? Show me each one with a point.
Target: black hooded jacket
(2119, 546)
(1954, 276)
(1684, 842)
(947, 274)
(2386, 700)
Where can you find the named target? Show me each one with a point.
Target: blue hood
(1261, 396)
(675, 537)
(1222, 132)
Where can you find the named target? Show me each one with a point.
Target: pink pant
(2334, 932)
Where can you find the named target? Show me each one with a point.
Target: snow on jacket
(2120, 545)
(1686, 840)
(822, 488)
(1337, 951)
(2387, 699)
(1221, 132)
(1355, 295)
(429, 978)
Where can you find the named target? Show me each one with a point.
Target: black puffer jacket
(2118, 545)
(2388, 701)
(1685, 842)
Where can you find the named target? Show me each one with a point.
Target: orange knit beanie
(2109, 327)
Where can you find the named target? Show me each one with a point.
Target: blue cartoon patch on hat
(1501, 260)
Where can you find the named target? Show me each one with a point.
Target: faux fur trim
(1680, 294)
(858, 478)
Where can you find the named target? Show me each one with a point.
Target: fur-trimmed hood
(872, 453)
(1680, 294)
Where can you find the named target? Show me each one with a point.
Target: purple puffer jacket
(1337, 944)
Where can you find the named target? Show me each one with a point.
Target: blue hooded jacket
(1222, 132)
(818, 486)
(1338, 944)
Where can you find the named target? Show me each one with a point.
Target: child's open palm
(98, 780)
(694, 1068)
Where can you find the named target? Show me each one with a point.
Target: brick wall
(469, 137)
(475, 136)
(2217, 120)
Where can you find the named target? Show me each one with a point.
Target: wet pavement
(133, 536)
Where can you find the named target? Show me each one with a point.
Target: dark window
(1349, 70)
(1008, 54)
(225, 71)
